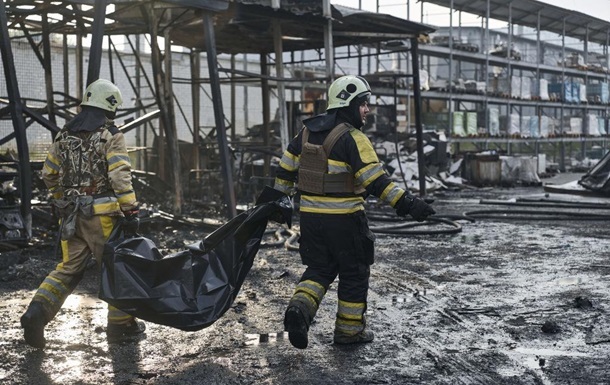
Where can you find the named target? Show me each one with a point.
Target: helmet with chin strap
(345, 89)
(103, 94)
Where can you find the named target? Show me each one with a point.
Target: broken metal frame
(16, 111)
(164, 94)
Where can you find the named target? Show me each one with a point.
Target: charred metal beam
(95, 52)
(33, 44)
(40, 119)
(164, 99)
(172, 133)
(225, 159)
(110, 65)
(48, 72)
(111, 48)
(35, 117)
(419, 135)
(25, 172)
(136, 53)
(66, 71)
(139, 121)
(195, 59)
(266, 109)
(281, 89)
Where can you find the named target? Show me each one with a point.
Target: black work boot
(122, 332)
(33, 322)
(296, 323)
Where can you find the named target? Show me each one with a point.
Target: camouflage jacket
(94, 163)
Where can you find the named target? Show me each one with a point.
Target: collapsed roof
(241, 26)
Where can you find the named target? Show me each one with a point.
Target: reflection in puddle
(510, 372)
(534, 359)
(569, 281)
(549, 352)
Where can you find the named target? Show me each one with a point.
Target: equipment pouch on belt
(68, 209)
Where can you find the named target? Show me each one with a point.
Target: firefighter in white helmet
(333, 166)
(88, 172)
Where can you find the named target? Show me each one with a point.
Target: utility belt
(70, 207)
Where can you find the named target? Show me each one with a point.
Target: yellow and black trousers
(336, 245)
(88, 240)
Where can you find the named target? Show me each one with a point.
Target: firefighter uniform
(333, 165)
(88, 173)
(335, 238)
(96, 197)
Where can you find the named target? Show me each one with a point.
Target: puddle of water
(510, 372)
(534, 359)
(549, 352)
(569, 281)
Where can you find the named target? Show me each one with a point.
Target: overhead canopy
(245, 27)
(241, 26)
(526, 13)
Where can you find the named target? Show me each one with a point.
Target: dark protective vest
(313, 167)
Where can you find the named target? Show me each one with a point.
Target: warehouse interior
(217, 88)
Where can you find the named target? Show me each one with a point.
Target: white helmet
(102, 94)
(345, 89)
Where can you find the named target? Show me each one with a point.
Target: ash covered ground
(503, 301)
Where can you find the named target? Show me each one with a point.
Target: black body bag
(193, 288)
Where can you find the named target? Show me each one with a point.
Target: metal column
(225, 159)
(95, 52)
(328, 41)
(266, 110)
(196, 95)
(164, 98)
(421, 166)
(48, 74)
(16, 108)
(281, 90)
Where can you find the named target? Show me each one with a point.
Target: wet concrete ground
(503, 301)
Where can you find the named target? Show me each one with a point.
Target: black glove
(131, 223)
(414, 206)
